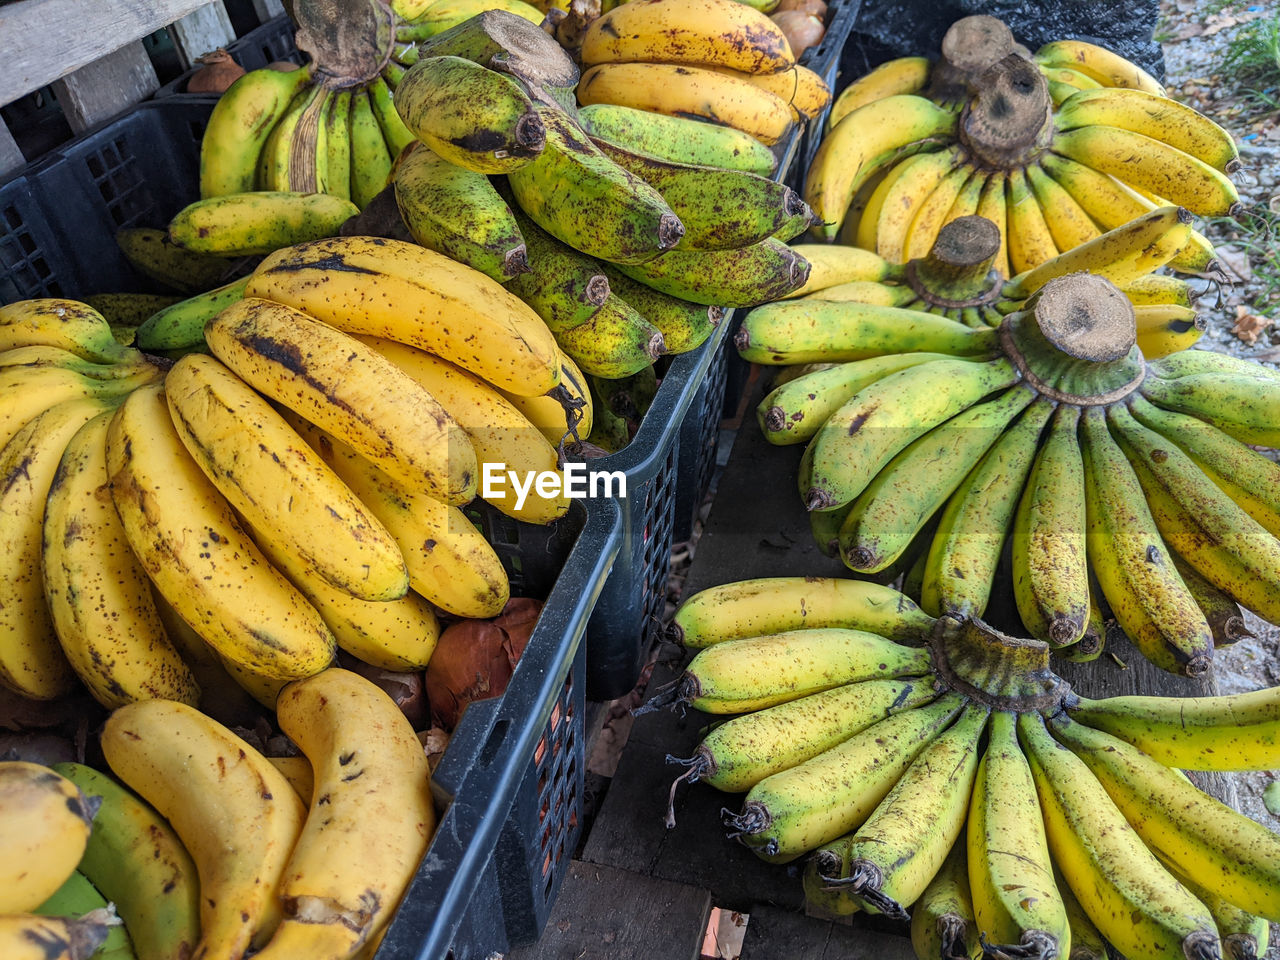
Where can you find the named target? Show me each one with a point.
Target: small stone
(1271, 798)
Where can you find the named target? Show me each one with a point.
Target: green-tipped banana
(1246, 407)
(239, 126)
(242, 224)
(744, 277)
(459, 213)
(680, 139)
(181, 326)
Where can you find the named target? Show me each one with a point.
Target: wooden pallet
(643, 892)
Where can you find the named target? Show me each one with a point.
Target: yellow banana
(1159, 289)
(1068, 223)
(753, 608)
(907, 194)
(903, 75)
(861, 226)
(833, 264)
(354, 392)
(992, 206)
(234, 812)
(1030, 241)
(1244, 935)
(43, 833)
(550, 414)
(27, 391)
(242, 224)
(942, 923)
(370, 821)
(799, 88)
(677, 90)
(32, 937)
(68, 324)
(188, 540)
(935, 212)
(239, 126)
(692, 32)
(1102, 65)
(1165, 328)
(98, 594)
(397, 290)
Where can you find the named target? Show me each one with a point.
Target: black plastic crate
(272, 42)
(511, 781)
(59, 216)
(699, 440)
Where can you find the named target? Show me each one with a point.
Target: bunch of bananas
(718, 60)
(1054, 150)
(941, 766)
(210, 848)
(299, 488)
(1117, 478)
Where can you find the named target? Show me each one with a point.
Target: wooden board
(108, 86)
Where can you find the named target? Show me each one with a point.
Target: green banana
(181, 325)
(278, 169)
(239, 126)
(470, 115)
(129, 309)
(680, 139)
(1246, 407)
(564, 287)
(720, 209)
(459, 213)
(942, 922)
(394, 131)
(242, 224)
(153, 254)
(805, 331)
(336, 118)
(370, 161)
(76, 897)
(743, 277)
(582, 198)
(616, 342)
(1185, 363)
(684, 325)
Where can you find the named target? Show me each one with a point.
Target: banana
(33, 937)
(616, 342)
(1132, 564)
(865, 140)
(902, 845)
(1068, 223)
(77, 897)
(1233, 856)
(370, 159)
(935, 212)
(278, 169)
(1206, 527)
(124, 311)
(1165, 328)
(470, 115)
(297, 770)
(39, 355)
(819, 898)
(906, 193)
(1161, 169)
(404, 292)
(1120, 255)
(189, 542)
(610, 212)
(1086, 941)
(68, 324)
(31, 660)
(865, 291)
(1061, 77)
(563, 286)
(1101, 196)
(1130, 897)
(449, 562)
(860, 438)
(1151, 115)
(751, 673)
(802, 90)
(459, 213)
(833, 264)
(1207, 361)
(181, 326)
(903, 75)
(278, 483)
(1250, 478)
(241, 224)
(556, 418)
(678, 139)
(1102, 65)
(1050, 576)
(684, 325)
(1030, 241)
(967, 200)
(500, 433)
(239, 126)
(694, 32)
(897, 503)
(394, 131)
(371, 818)
(353, 391)
(744, 277)
(1016, 903)
(960, 568)
(234, 812)
(992, 206)
(43, 834)
(27, 391)
(336, 119)
(942, 923)
(1244, 936)
(446, 14)
(816, 801)
(720, 209)
(138, 863)
(752, 608)
(1159, 289)
(809, 331)
(98, 595)
(1226, 619)
(794, 411)
(1244, 407)
(738, 754)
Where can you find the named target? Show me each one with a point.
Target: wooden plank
(268, 9)
(11, 157)
(605, 912)
(44, 40)
(201, 31)
(106, 87)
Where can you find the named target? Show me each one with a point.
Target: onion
(802, 29)
(218, 72)
(815, 8)
(406, 689)
(474, 659)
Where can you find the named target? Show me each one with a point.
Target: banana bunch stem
(1004, 672)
